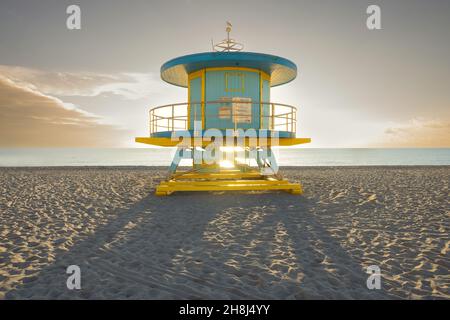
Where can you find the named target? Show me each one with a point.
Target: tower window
(234, 82)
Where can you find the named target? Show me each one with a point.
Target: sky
(355, 87)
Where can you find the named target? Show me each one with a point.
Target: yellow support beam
(168, 142)
(225, 182)
(168, 187)
(221, 175)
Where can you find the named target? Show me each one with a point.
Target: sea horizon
(155, 157)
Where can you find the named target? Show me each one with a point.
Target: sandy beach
(131, 244)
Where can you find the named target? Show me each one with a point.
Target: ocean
(37, 157)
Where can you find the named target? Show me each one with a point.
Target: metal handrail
(167, 117)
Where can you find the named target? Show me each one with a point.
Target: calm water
(163, 157)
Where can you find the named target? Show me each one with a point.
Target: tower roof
(176, 71)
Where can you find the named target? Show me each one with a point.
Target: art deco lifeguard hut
(228, 107)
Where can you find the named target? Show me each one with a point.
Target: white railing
(173, 117)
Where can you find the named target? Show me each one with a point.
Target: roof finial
(228, 29)
(228, 44)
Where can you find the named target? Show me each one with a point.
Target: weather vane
(228, 44)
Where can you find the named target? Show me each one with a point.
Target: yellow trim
(195, 74)
(262, 76)
(203, 97)
(189, 105)
(168, 187)
(217, 181)
(267, 142)
(265, 76)
(260, 100)
(191, 76)
(236, 68)
(223, 175)
(202, 73)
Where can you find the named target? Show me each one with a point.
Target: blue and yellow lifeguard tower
(229, 117)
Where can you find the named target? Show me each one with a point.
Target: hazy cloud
(31, 118)
(418, 133)
(130, 86)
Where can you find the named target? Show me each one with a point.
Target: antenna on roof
(228, 44)
(228, 29)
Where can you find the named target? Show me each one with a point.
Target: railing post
(188, 115)
(173, 119)
(293, 121)
(151, 121)
(273, 116)
(295, 124)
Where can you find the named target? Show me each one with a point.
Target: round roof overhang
(176, 71)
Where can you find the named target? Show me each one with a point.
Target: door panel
(226, 85)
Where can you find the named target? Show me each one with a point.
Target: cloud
(29, 117)
(130, 86)
(418, 132)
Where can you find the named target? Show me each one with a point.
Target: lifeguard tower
(228, 125)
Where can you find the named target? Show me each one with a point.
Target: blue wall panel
(195, 113)
(222, 84)
(265, 107)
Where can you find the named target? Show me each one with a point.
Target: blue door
(237, 92)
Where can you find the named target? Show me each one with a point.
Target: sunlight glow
(231, 149)
(226, 164)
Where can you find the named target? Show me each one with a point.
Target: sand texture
(131, 244)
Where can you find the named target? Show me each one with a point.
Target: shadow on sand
(205, 246)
